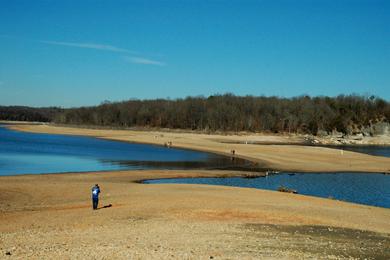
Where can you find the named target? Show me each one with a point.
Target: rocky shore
(375, 134)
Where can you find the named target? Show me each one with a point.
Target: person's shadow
(106, 206)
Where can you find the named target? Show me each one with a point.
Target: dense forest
(22, 113)
(227, 112)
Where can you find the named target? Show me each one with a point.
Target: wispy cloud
(144, 61)
(102, 47)
(133, 56)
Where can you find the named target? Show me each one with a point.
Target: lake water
(363, 188)
(368, 149)
(30, 153)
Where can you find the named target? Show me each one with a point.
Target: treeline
(234, 113)
(227, 112)
(22, 113)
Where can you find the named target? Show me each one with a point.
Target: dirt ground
(50, 216)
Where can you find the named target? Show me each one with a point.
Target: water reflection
(213, 163)
(22, 153)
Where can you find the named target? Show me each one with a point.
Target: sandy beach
(50, 216)
(275, 154)
(214, 129)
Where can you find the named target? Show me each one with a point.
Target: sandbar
(50, 215)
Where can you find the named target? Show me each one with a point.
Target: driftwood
(253, 175)
(285, 189)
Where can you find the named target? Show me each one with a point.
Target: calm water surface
(365, 188)
(29, 153)
(368, 149)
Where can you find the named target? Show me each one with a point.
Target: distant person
(95, 196)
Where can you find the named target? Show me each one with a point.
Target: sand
(278, 156)
(50, 216)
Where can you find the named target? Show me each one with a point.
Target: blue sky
(74, 53)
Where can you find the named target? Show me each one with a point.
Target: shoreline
(281, 157)
(230, 173)
(50, 215)
(138, 177)
(283, 138)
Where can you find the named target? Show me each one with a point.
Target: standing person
(95, 196)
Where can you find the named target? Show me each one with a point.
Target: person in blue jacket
(95, 196)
